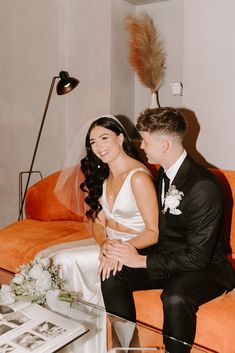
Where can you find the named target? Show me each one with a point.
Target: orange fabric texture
(226, 180)
(42, 204)
(215, 320)
(21, 241)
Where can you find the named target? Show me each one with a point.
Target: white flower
(33, 281)
(44, 282)
(6, 296)
(18, 279)
(5, 288)
(172, 200)
(36, 271)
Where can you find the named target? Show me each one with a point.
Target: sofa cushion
(215, 319)
(226, 180)
(21, 241)
(42, 204)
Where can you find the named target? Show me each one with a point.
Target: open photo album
(33, 328)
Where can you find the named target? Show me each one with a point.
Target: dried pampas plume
(146, 54)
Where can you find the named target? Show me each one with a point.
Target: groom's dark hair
(164, 120)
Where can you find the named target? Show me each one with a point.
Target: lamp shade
(66, 83)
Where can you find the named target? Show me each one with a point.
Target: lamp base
(21, 174)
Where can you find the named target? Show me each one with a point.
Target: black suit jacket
(192, 240)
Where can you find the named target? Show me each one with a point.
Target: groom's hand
(126, 254)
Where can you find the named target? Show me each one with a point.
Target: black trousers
(182, 295)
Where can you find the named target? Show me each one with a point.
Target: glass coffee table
(106, 333)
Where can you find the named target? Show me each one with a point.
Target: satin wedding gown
(79, 260)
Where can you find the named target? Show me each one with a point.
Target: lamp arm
(36, 146)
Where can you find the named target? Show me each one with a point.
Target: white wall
(209, 72)
(89, 48)
(198, 37)
(168, 18)
(122, 76)
(30, 56)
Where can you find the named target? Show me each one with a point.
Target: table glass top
(110, 334)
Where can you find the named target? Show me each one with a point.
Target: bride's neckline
(112, 196)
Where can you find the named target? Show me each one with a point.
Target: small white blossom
(36, 271)
(172, 200)
(6, 297)
(44, 282)
(5, 288)
(18, 279)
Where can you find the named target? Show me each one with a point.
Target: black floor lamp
(65, 85)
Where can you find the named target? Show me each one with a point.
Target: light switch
(177, 88)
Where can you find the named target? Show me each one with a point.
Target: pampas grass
(146, 53)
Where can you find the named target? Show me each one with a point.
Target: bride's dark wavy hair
(95, 171)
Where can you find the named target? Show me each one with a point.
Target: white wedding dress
(79, 260)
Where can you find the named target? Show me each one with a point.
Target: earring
(98, 166)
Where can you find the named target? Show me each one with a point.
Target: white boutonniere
(172, 200)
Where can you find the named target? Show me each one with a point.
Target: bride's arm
(146, 200)
(99, 233)
(99, 229)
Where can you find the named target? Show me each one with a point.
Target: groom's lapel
(158, 183)
(178, 182)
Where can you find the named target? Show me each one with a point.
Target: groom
(188, 262)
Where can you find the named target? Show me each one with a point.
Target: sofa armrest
(42, 204)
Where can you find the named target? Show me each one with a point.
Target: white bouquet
(33, 281)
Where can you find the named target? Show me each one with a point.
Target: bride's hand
(104, 249)
(106, 267)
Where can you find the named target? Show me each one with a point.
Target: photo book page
(28, 328)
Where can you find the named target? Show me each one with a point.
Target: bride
(122, 206)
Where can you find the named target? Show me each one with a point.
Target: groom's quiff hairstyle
(164, 120)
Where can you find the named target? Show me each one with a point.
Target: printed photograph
(29, 341)
(5, 348)
(5, 309)
(17, 318)
(4, 328)
(48, 329)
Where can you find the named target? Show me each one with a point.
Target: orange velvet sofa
(48, 222)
